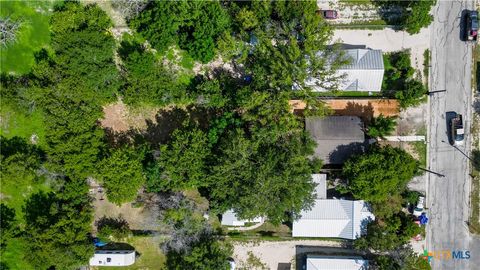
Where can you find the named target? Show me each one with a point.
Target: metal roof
(229, 218)
(333, 218)
(364, 59)
(364, 72)
(316, 262)
(113, 258)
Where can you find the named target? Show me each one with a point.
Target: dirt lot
(276, 254)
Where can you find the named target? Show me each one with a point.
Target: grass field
(15, 123)
(151, 257)
(33, 34)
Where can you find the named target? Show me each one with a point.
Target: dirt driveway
(389, 40)
(276, 254)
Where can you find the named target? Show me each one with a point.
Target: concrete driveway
(448, 197)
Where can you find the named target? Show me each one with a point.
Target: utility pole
(432, 172)
(437, 91)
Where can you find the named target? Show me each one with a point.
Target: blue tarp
(423, 219)
(98, 243)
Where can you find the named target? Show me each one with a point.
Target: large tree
(262, 166)
(207, 253)
(71, 85)
(148, 81)
(193, 25)
(121, 174)
(57, 227)
(380, 173)
(181, 164)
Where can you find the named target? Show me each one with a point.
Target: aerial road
(448, 196)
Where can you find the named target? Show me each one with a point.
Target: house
(332, 218)
(316, 262)
(363, 73)
(113, 258)
(337, 137)
(230, 218)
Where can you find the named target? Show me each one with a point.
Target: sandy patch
(275, 253)
(118, 117)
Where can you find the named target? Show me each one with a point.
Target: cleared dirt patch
(118, 117)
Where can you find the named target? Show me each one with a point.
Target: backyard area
(33, 33)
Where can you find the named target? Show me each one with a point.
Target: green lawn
(421, 150)
(33, 35)
(21, 124)
(151, 257)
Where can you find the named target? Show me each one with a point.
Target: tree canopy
(57, 227)
(193, 25)
(121, 174)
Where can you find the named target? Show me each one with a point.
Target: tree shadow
(116, 246)
(37, 210)
(392, 12)
(159, 131)
(365, 112)
(117, 223)
(345, 151)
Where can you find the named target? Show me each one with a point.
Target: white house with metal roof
(363, 73)
(113, 258)
(230, 218)
(331, 217)
(316, 262)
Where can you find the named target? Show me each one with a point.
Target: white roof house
(333, 218)
(363, 73)
(230, 218)
(113, 258)
(315, 262)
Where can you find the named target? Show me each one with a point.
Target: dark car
(328, 14)
(472, 25)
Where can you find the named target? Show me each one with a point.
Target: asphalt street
(448, 197)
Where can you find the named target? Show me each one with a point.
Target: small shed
(113, 258)
(229, 218)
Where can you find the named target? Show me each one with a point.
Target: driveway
(389, 40)
(448, 197)
(277, 254)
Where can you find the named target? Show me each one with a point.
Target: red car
(328, 14)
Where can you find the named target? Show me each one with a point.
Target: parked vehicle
(419, 208)
(456, 129)
(471, 29)
(328, 14)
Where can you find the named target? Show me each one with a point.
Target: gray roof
(364, 59)
(337, 137)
